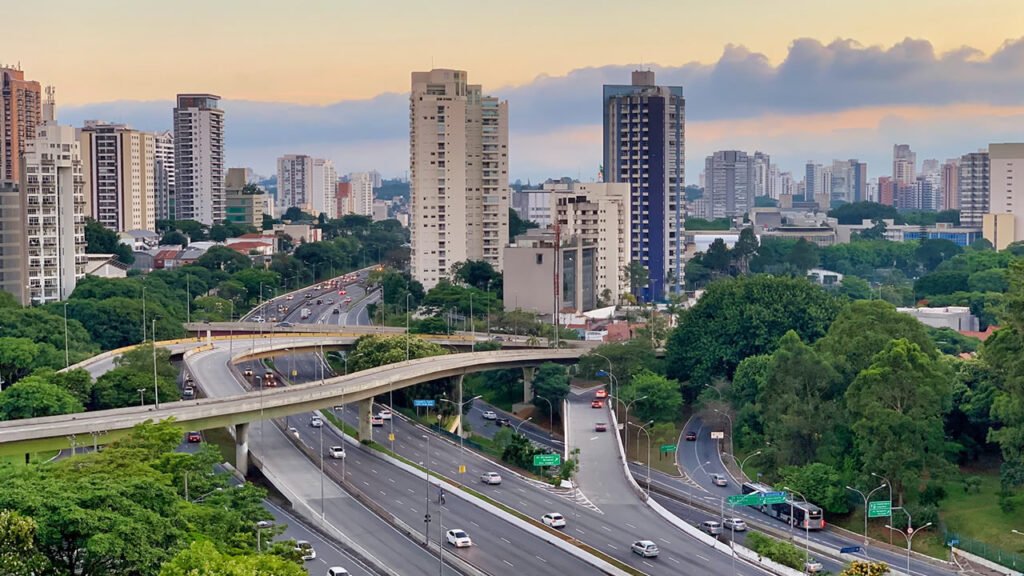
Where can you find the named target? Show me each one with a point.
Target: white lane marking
(674, 560)
(630, 525)
(665, 541)
(606, 529)
(613, 547)
(648, 563)
(702, 558)
(509, 563)
(507, 541)
(474, 523)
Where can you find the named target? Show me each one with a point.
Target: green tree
(174, 238)
(627, 358)
(100, 240)
(820, 483)
(224, 258)
(203, 559)
(855, 288)
(991, 280)
(858, 568)
(636, 275)
(517, 225)
(18, 553)
(663, 402)
(717, 258)
(34, 397)
(743, 317)
(897, 405)
(745, 249)
(120, 387)
(803, 257)
(930, 253)
(857, 212)
(550, 381)
(17, 357)
(478, 274)
(940, 282)
(696, 224)
(863, 329)
(799, 387)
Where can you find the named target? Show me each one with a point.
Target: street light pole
(462, 437)
(626, 427)
(426, 516)
(611, 376)
(730, 424)
(644, 430)
(866, 498)
(67, 361)
(807, 527)
(488, 309)
(908, 535)
(407, 316)
(156, 388)
(886, 480)
(551, 414)
(142, 396)
(518, 426)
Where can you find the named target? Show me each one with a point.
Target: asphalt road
(487, 428)
(700, 459)
(327, 553)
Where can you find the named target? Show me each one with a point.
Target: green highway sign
(880, 509)
(668, 447)
(757, 499)
(547, 459)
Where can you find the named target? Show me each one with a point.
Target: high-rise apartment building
(904, 165)
(762, 167)
(243, 206)
(597, 214)
(886, 191)
(1006, 194)
(163, 174)
(848, 182)
(729, 183)
(949, 185)
(20, 114)
(361, 193)
(974, 188)
(13, 247)
(343, 199)
(645, 147)
(53, 187)
(118, 168)
(458, 158)
(199, 158)
(295, 181)
(324, 184)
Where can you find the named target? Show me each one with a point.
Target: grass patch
(661, 434)
(349, 430)
(35, 458)
(977, 515)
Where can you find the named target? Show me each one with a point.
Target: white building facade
(199, 159)
(119, 172)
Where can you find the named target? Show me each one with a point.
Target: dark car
(691, 436)
(502, 422)
(194, 437)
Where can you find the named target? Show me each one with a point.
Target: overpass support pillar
(528, 372)
(242, 448)
(365, 412)
(209, 337)
(457, 381)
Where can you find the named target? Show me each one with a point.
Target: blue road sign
(849, 549)
(423, 403)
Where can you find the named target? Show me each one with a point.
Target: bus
(799, 514)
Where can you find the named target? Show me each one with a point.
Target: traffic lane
(488, 428)
(601, 478)
(599, 529)
(327, 553)
(700, 459)
(498, 547)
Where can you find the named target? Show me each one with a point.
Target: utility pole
(156, 388)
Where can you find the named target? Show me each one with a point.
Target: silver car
(645, 548)
(713, 527)
(735, 524)
(719, 480)
(492, 478)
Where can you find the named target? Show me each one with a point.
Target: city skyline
(801, 85)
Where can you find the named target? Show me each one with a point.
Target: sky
(799, 79)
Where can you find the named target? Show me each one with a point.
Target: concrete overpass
(36, 434)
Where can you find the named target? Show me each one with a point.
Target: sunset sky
(799, 79)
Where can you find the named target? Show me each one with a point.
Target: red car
(601, 393)
(597, 404)
(342, 292)
(194, 437)
(600, 427)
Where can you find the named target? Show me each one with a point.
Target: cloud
(814, 80)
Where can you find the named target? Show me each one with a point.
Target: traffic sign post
(757, 499)
(424, 403)
(547, 460)
(668, 447)
(880, 509)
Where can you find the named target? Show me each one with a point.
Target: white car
(813, 566)
(492, 478)
(258, 319)
(316, 422)
(490, 415)
(645, 548)
(289, 297)
(305, 549)
(384, 414)
(376, 421)
(553, 519)
(719, 480)
(337, 571)
(337, 452)
(458, 538)
(735, 524)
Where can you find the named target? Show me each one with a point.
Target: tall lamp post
(67, 361)
(462, 438)
(518, 426)
(644, 430)
(744, 462)
(426, 516)
(866, 498)
(908, 535)
(551, 414)
(156, 388)
(626, 427)
(730, 425)
(807, 526)
(886, 480)
(142, 396)
(611, 376)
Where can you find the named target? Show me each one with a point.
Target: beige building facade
(459, 200)
(242, 208)
(119, 172)
(1004, 222)
(20, 114)
(598, 215)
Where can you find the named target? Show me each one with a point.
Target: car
(348, 300)
(384, 414)
(274, 318)
(258, 319)
(502, 422)
(601, 427)
(337, 452)
(194, 437)
(490, 415)
(691, 436)
(735, 524)
(330, 301)
(601, 393)
(335, 311)
(458, 538)
(342, 292)
(290, 297)
(812, 566)
(645, 548)
(305, 549)
(553, 519)
(498, 339)
(713, 527)
(316, 422)
(597, 404)
(264, 524)
(248, 372)
(492, 478)
(319, 301)
(337, 571)
(188, 392)
(285, 324)
(376, 421)
(719, 480)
